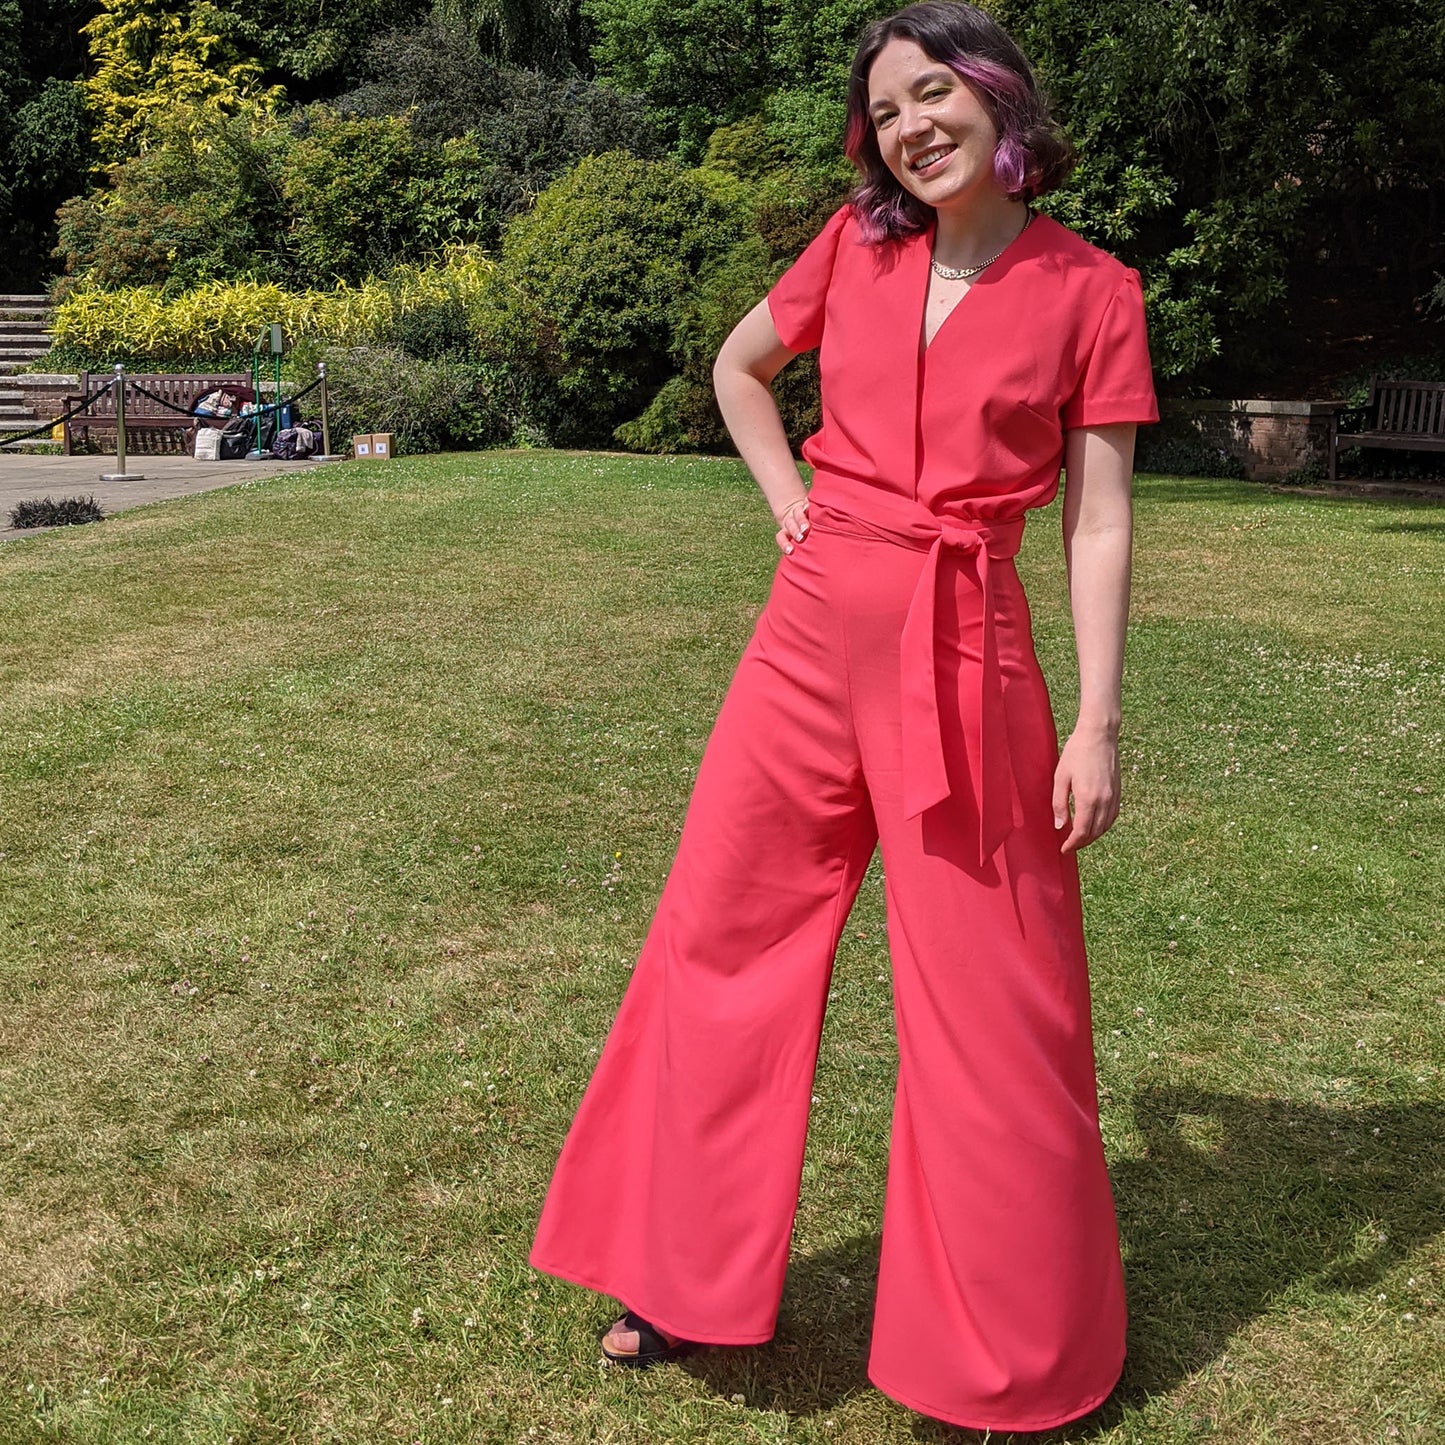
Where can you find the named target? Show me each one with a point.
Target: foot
(633, 1341)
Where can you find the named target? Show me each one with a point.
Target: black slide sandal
(652, 1347)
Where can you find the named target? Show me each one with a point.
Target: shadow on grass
(1155, 487)
(1430, 529)
(1215, 490)
(1233, 1202)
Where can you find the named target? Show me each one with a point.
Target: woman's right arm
(742, 377)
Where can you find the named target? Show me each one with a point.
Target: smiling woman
(949, 67)
(890, 696)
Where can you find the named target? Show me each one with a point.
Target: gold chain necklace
(962, 273)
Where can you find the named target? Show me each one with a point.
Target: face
(933, 131)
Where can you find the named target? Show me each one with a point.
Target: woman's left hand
(1089, 771)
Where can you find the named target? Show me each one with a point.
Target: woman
(890, 695)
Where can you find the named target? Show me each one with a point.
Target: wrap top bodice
(944, 448)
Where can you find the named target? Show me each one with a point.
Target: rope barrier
(248, 415)
(25, 436)
(8, 439)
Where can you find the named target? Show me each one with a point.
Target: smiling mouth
(930, 158)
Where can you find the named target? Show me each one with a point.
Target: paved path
(23, 477)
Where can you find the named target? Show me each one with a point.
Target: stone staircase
(23, 339)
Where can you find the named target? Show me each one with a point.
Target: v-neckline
(926, 342)
(925, 240)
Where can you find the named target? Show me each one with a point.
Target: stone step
(25, 424)
(14, 325)
(17, 409)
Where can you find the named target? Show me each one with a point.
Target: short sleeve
(1116, 383)
(798, 299)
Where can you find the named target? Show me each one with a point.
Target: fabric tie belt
(925, 769)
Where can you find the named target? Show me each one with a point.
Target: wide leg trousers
(1000, 1295)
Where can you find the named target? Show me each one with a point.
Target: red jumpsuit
(889, 696)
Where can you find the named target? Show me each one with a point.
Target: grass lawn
(332, 812)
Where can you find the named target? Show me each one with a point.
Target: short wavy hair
(1033, 156)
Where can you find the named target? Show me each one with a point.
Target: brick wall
(45, 394)
(1270, 438)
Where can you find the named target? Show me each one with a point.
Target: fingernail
(788, 548)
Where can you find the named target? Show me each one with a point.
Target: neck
(969, 234)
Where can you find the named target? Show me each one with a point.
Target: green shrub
(788, 212)
(353, 188)
(202, 203)
(219, 322)
(442, 80)
(683, 416)
(47, 512)
(593, 285)
(705, 63)
(439, 405)
(1176, 453)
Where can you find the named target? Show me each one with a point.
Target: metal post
(120, 474)
(326, 453)
(120, 418)
(257, 453)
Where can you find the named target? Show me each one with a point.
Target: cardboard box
(382, 445)
(361, 448)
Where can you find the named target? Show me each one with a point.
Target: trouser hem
(663, 1320)
(977, 1422)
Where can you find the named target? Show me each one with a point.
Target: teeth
(928, 157)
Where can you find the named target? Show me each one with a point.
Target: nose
(913, 125)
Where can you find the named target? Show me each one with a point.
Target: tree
(593, 282)
(152, 55)
(705, 63)
(548, 35)
(505, 133)
(203, 202)
(315, 48)
(44, 131)
(1239, 152)
(355, 190)
(1243, 152)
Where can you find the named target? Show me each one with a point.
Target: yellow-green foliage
(221, 319)
(153, 55)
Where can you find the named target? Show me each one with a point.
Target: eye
(936, 92)
(883, 118)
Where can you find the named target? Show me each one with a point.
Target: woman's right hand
(792, 524)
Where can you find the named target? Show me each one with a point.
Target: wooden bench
(1408, 415)
(141, 413)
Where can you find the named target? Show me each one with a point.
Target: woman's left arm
(1098, 536)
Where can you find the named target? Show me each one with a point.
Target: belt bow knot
(925, 772)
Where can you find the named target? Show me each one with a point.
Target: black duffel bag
(239, 436)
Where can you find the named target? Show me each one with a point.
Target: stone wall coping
(44, 378)
(1256, 408)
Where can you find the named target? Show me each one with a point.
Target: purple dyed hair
(1033, 155)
